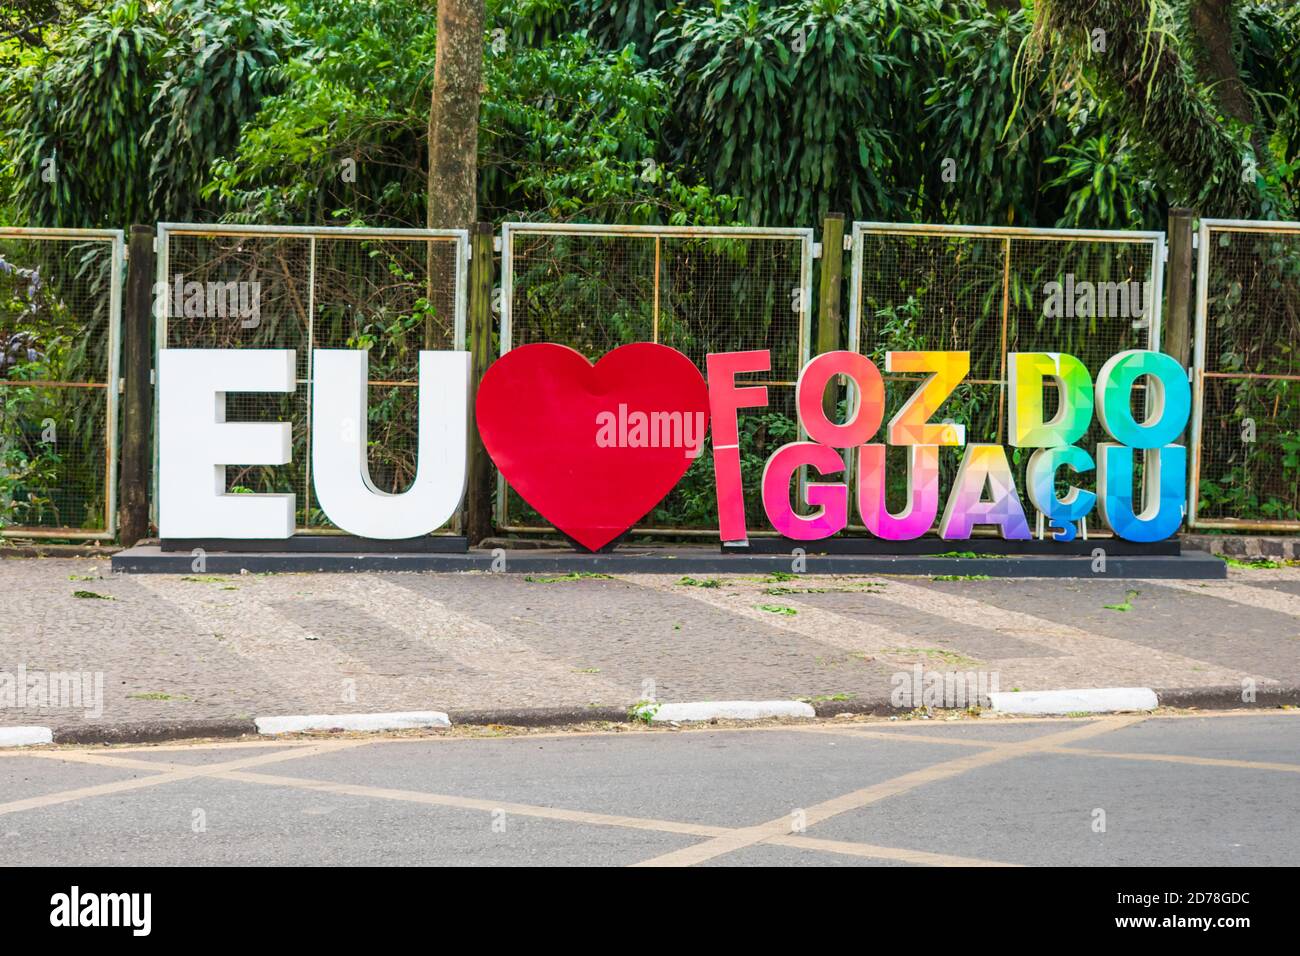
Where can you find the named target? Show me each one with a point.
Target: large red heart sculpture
(565, 432)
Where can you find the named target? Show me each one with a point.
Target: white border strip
(1093, 700)
(726, 710)
(25, 736)
(406, 720)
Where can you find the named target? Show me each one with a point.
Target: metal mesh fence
(1245, 470)
(392, 291)
(992, 291)
(60, 312)
(697, 289)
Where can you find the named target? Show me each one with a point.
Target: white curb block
(1094, 700)
(25, 736)
(731, 710)
(398, 721)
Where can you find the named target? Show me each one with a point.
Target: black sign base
(698, 561)
(937, 547)
(323, 544)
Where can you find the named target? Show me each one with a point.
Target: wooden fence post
(829, 313)
(134, 482)
(1176, 334)
(478, 510)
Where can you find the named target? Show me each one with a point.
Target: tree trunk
(453, 124)
(1212, 22)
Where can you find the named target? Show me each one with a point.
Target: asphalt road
(1161, 790)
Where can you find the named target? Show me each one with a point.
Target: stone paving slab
(231, 646)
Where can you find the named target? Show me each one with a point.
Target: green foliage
(998, 138)
(646, 111)
(805, 107)
(568, 129)
(355, 97)
(1269, 53)
(614, 26)
(131, 106)
(208, 90)
(1145, 75)
(52, 440)
(574, 132)
(86, 106)
(1106, 191)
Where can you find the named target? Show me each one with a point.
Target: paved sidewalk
(1123, 790)
(237, 646)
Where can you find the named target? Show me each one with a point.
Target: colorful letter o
(1170, 403)
(868, 410)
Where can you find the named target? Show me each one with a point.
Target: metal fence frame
(1007, 233)
(168, 229)
(112, 381)
(1156, 240)
(1199, 374)
(805, 236)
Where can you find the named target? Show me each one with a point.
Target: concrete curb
(404, 720)
(540, 716)
(25, 736)
(1091, 700)
(153, 731)
(867, 707)
(142, 732)
(1230, 697)
(725, 710)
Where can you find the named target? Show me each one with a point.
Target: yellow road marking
(164, 776)
(848, 731)
(880, 852)
(748, 836)
(473, 803)
(1181, 758)
(842, 847)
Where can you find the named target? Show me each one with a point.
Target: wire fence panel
(392, 291)
(60, 319)
(992, 291)
(1245, 469)
(697, 289)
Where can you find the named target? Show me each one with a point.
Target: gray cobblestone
(234, 646)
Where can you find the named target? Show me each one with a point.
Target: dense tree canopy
(1088, 113)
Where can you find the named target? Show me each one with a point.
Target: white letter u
(340, 471)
